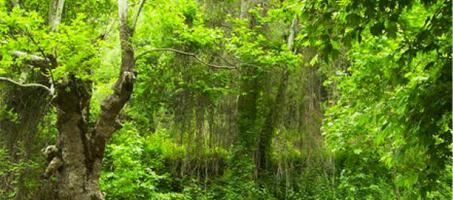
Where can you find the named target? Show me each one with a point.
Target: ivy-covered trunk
(263, 160)
(247, 106)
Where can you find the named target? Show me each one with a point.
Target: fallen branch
(187, 54)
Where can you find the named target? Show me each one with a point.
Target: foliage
(221, 87)
(130, 175)
(394, 105)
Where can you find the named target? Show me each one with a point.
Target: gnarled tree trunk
(82, 147)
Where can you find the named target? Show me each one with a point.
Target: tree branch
(31, 59)
(292, 31)
(137, 15)
(187, 54)
(34, 61)
(50, 90)
(111, 106)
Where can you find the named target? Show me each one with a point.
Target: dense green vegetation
(225, 99)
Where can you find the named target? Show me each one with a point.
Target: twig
(187, 54)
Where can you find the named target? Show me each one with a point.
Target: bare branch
(292, 30)
(50, 90)
(34, 61)
(187, 54)
(30, 59)
(137, 15)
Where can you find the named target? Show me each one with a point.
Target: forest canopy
(225, 99)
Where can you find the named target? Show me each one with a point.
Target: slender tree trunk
(55, 12)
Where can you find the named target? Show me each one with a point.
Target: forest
(226, 99)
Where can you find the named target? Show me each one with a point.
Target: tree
(81, 145)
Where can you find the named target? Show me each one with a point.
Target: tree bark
(73, 140)
(55, 12)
